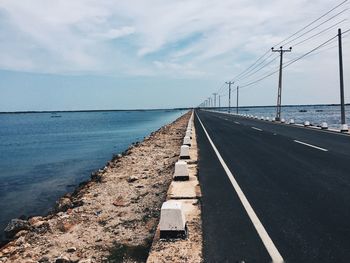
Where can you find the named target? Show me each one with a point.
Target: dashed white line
(310, 145)
(236, 122)
(256, 129)
(265, 238)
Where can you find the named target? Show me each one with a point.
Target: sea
(315, 114)
(45, 155)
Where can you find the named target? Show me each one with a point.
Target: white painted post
(181, 171)
(172, 220)
(187, 140)
(185, 152)
(344, 128)
(324, 126)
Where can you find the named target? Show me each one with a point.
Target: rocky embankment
(112, 217)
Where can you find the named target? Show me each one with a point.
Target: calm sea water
(44, 155)
(316, 114)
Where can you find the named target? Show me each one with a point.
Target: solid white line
(256, 129)
(237, 122)
(310, 145)
(264, 236)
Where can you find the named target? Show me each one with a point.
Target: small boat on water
(55, 115)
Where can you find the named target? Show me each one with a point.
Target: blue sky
(104, 54)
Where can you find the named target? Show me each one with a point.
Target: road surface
(296, 182)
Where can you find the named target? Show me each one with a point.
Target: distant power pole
(279, 96)
(215, 99)
(342, 106)
(229, 94)
(237, 99)
(219, 101)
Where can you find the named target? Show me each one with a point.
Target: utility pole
(237, 99)
(344, 127)
(219, 101)
(229, 94)
(279, 96)
(215, 99)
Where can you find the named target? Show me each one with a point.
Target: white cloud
(189, 38)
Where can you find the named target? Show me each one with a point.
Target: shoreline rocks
(117, 210)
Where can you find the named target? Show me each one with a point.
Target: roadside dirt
(111, 218)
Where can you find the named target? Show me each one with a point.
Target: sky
(104, 54)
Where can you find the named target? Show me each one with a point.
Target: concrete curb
(172, 247)
(291, 123)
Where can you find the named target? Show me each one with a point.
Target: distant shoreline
(62, 111)
(170, 109)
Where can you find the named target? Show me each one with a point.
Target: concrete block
(267, 119)
(172, 220)
(189, 134)
(273, 119)
(262, 118)
(344, 128)
(187, 141)
(324, 126)
(185, 152)
(181, 171)
(291, 121)
(306, 123)
(283, 120)
(256, 117)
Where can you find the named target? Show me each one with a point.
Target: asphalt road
(296, 180)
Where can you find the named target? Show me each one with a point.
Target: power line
(310, 30)
(297, 32)
(313, 22)
(257, 65)
(261, 68)
(312, 50)
(319, 33)
(293, 61)
(263, 58)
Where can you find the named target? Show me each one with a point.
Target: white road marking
(237, 122)
(264, 236)
(256, 129)
(310, 145)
